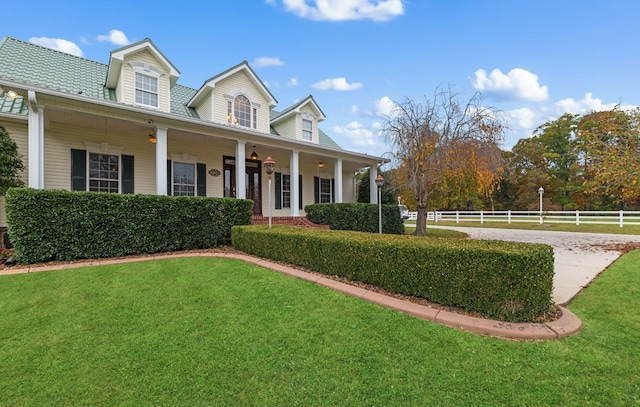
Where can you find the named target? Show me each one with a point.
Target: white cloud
(339, 84)
(523, 118)
(384, 106)
(58, 44)
(116, 37)
(341, 10)
(263, 62)
(585, 105)
(292, 82)
(357, 133)
(518, 84)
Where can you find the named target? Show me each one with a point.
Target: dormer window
(146, 90)
(307, 129)
(241, 112)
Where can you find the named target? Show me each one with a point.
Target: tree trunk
(421, 221)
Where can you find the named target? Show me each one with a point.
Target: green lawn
(205, 331)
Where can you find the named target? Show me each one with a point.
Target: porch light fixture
(254, 155)
(152, 138)
(320, 164)
(11, 94)
(269, 166)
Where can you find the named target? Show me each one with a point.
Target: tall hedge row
(61, 225)
(360, 217)
(502, 280)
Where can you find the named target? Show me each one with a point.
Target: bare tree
(441, 139)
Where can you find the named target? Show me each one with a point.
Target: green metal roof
(32, 64)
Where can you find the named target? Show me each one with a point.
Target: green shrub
(502, 280)
(360, 217)
(62, 225)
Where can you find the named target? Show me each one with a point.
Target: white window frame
(327, 195)
(146, 70)
(286, 203)
(108, 150)
(307, 131)
(184, 158)
(252, 114)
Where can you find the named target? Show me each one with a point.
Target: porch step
(286, 220)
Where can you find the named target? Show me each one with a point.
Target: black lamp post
(269, 166)
(379, 183)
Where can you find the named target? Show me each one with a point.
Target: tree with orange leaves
(442, 144)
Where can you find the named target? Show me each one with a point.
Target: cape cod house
(129, 127)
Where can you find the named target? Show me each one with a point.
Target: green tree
(10, 162)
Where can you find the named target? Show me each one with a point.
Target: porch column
(161, 161)
(241, 172)
(373, 189)
(295, 184)
(337, 175)
(36, 142)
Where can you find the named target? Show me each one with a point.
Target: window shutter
(78, 170)
(278, 178)
(333, 190)
(316, 189)
(169, 180)
(202, 179)
(300, 191)
(127, 174)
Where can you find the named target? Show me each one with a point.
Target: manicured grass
(561, 227)
(206, 331)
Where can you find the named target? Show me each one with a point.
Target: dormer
(236, 97)
(300, 121)
(142, 76)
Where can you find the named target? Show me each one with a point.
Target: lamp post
(269, 166)
(379, 183)
(540, 192)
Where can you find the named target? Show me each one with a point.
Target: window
(104, 172)
(307, 129)
(286, 191)
(146, 90)
(325, 190)
(242, 111)
(184, 179)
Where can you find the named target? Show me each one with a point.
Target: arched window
(242, 111)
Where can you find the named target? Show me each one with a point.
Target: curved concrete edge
(567, 325)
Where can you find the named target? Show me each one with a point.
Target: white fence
(620, 218)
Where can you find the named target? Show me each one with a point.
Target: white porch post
(337, 175)
(373, 189)
(295, 184)
(36, 142)
(161, 161)
(241, 187)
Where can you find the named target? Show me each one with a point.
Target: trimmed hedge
(61, 225)
(507, 281)
(362, 217)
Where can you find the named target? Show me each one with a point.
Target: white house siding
(239, 81)
(287, 127)
(204, 110)
(127, 79)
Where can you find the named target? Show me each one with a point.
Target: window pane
(286, 191)
(307, 129)
(242, 111)
(104, 172)
(146, 90)
(184, 179)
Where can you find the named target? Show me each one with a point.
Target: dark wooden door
(253, 181)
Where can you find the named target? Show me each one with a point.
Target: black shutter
(127, 174)
(300, 191)
(316, 189)
(202, 179)
(278, 178)
(333, 190)
(169, 180)
(78, 170)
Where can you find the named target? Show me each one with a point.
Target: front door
(252, 181)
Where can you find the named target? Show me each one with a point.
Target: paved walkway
(578, 257)
(568, 324)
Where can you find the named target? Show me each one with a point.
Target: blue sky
(532, 60)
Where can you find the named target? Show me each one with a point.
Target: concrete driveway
(578, 257)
